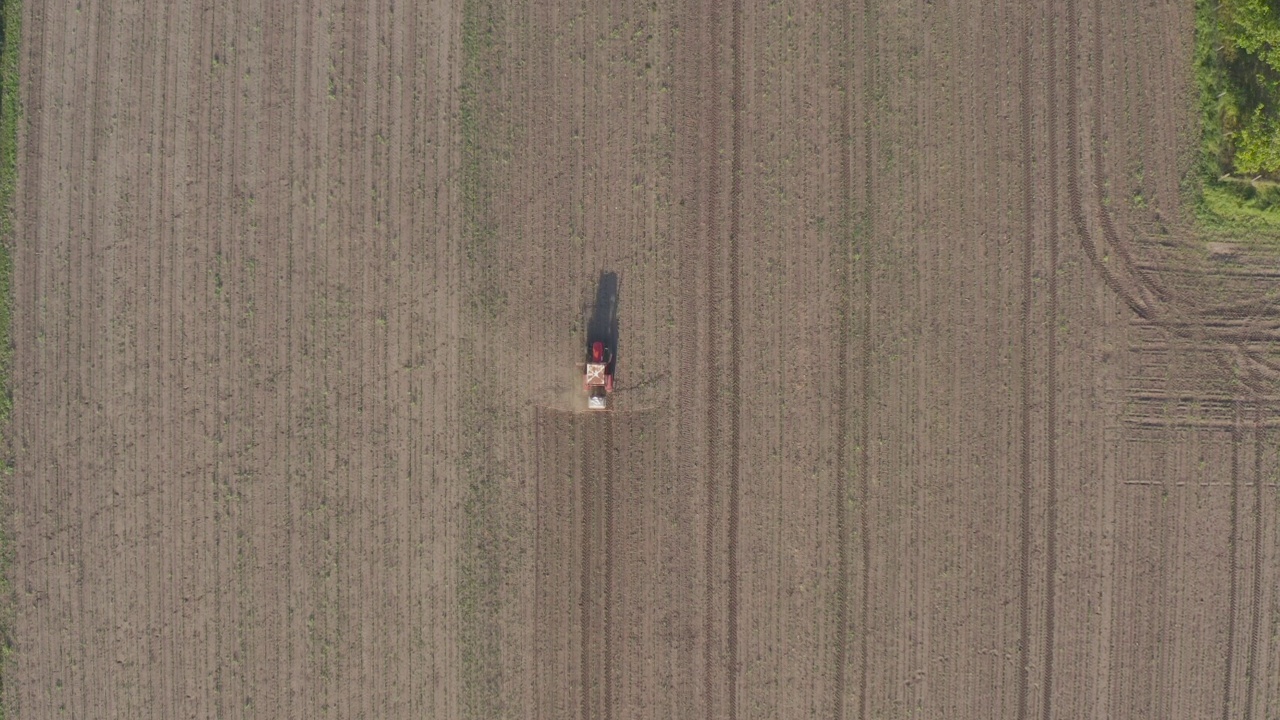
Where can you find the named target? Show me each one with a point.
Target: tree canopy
(1246, 54)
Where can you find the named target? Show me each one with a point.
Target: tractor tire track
(1051, 388)
(1233, 570)
(1256, 589)
(1108, 227)
(1074, 194)
(607, 664)
(1144, 295)
(1157, 313)
(597, 465)
(842, 380)
(696, 428)
(721, 259)
(864, 434)
(1255, 616)
(539, 423)
(584, 600)
(1024, 402)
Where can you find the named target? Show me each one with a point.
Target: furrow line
(289, 364)
(1233, 572)
(1051, 389)
(1028, 245)
(584, 600)
(1255, 604)
(842, 381)
(711, 206)
(539, 422)
(864, 435)
(84, 259)
(733, 401)
(690, 419)
(688, 362)
(607, 663)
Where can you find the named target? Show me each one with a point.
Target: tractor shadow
(602, 321)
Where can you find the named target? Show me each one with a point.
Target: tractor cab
(598, 379)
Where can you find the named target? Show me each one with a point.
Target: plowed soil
(932, 401)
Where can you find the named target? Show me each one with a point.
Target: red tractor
(598, 380)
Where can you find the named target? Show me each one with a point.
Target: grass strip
(10, 114)
(481, 562)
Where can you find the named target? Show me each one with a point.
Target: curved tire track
(1108, 227)
(1074, 195)
(1145, 295)
(1188, 323)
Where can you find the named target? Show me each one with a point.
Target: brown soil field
(932, 400)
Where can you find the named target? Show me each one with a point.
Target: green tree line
(1238, 49)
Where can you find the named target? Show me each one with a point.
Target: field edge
(10, 112)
